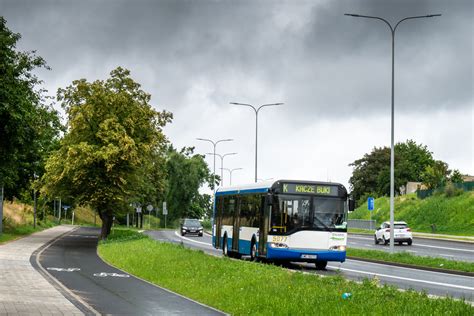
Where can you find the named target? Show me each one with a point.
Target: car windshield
(192, 222)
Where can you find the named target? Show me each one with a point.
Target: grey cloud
(321, 64)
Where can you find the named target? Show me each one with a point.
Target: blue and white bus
(284, 220)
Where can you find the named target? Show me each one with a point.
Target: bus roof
(265, 186)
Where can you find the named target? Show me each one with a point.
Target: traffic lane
(202, 243)
(434, 283)
(459, 251)
(106, 289)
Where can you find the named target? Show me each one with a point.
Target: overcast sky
(332, 72)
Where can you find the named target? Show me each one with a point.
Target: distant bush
(451, 190)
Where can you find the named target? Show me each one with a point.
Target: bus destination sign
(294, 188)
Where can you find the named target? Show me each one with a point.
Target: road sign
(165, 210)
(149, 208)
(370, 203)
(139, 209)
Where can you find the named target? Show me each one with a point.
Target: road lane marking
(447, 248)
(63, 269)
(423, 245)
(113, 274)
(407, 279)
(189, 239)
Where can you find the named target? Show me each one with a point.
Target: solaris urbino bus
(283, 220)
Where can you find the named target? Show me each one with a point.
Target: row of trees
(110, 154)
(413, 162)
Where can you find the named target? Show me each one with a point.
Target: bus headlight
(338, 248)
(278, 245)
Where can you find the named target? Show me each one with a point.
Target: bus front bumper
(305, 255)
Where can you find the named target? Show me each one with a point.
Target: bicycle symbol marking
(113, 274)
(63, 269)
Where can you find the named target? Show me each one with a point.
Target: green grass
(407, 258)
(451, 215)
(243, 288)
(14, 232)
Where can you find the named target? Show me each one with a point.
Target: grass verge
(408, 258)
(242, 288)
(12, 233)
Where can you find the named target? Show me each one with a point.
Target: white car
(402, 233)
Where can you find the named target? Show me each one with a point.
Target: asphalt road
(434, 283)
(452, 250)
(73, 261)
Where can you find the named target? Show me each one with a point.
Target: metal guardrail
(361, 223)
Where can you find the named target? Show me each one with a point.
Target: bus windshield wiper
(322, 223)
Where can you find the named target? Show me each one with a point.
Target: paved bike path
(73, 261)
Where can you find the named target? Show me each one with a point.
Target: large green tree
(436, 175)
(109, 156)
(186, 173)
(29, 128)
(371, 174)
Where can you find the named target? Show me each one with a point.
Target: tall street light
(392, 151)
(256, 126)
(222, 163)
(214, 144)
(230, 172)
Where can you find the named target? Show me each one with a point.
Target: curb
(411, 266)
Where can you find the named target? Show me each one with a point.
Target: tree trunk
(106, 224)
(1, 209)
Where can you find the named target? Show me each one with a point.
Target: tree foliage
(186, 173)
(110, 155)
(29, 129)
(436, 175)
(371, 173)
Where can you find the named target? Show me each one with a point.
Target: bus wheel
(225, 251)
(321, 265)
(253, 251)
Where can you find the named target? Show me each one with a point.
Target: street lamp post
(222, 163)
(256, 126)
(214, 143)
(392, 151)
(230, 173)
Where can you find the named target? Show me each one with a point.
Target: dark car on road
(191, 226)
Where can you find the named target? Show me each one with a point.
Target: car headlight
(184, 227)
(338, 248)
(278, 245)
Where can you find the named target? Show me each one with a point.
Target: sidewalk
(23, 290)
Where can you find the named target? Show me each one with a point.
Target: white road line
(423, 245)
(445, 255)
(412, 251)
(409, 279)
(448, 248)
(189, 239)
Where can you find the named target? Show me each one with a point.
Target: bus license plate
(305, 256)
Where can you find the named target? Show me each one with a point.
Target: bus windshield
(293, 212)
(328, 213)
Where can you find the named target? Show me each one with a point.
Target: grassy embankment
(451, 215)
(242, 288)
(18, 220)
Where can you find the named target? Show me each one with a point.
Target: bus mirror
(351, 205)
